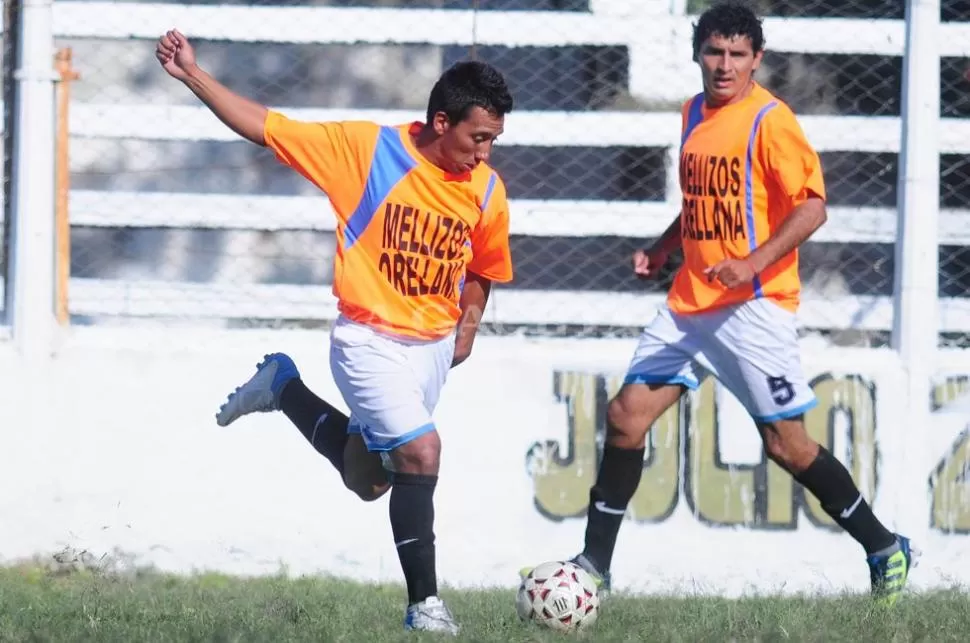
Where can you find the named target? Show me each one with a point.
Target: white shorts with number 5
(391, 385)
(751, 348)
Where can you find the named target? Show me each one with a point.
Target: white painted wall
(113, 445)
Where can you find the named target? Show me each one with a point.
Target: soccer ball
(559, 595)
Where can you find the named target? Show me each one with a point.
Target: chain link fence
(8, 57)
(955, 178)
(172, 217)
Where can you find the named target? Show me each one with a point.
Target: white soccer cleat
(261, 393)
(431, 615)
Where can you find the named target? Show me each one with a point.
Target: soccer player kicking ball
(422, 231)
(752, 193)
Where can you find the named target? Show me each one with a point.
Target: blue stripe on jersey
(390, 164)
(488, 191)
(748, 189)
(695, 115)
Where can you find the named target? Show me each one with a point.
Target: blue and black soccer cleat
(889, 573)
(261, 393)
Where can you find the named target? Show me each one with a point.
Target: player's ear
(758, 55)
(440, 123)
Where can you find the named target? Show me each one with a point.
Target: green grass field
(39, 605)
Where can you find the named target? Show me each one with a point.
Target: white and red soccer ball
(559, 595)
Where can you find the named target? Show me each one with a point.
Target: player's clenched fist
(732, 272)
(648, 264)
(175, 54)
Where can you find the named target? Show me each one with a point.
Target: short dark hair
(468, 84)
(729, 19)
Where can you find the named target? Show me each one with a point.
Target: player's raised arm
(242, 115)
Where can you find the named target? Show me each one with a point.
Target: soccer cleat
(261, 393)
(430, 615)
(603, 580)
(889, 573)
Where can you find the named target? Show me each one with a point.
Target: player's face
(726, 67)
(467, 143)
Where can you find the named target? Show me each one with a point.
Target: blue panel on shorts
(788, 413)
(661, 379)
(390, 164)
(374, 444)
(354, 427)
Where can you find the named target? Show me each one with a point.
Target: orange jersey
(743, 168)
(406, 229)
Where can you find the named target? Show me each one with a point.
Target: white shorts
(391, 384)
(751, 348)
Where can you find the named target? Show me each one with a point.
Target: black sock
(412, 523)
(617, 480)
(321, 424)
(829, 481)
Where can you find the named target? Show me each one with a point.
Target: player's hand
(646, 264)
(176, 55)
(732, 272)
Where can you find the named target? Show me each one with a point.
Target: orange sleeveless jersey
(406, 230)
(743, 168)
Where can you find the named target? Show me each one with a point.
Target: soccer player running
(752, 193)
(422, 232)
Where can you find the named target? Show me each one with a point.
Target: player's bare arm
(474, 296)
(796, 228)
(242, 115)
(648, 263)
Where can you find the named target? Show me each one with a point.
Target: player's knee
(634, 410)
(625, 426)
(788, 444)
(420, 456)
(775, 450)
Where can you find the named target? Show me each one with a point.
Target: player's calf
(629, 416)
(364, 471)
(811, 464)
(326, 429)
(277, 386)
(323, 425)
(788, 445)
(413, 481)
